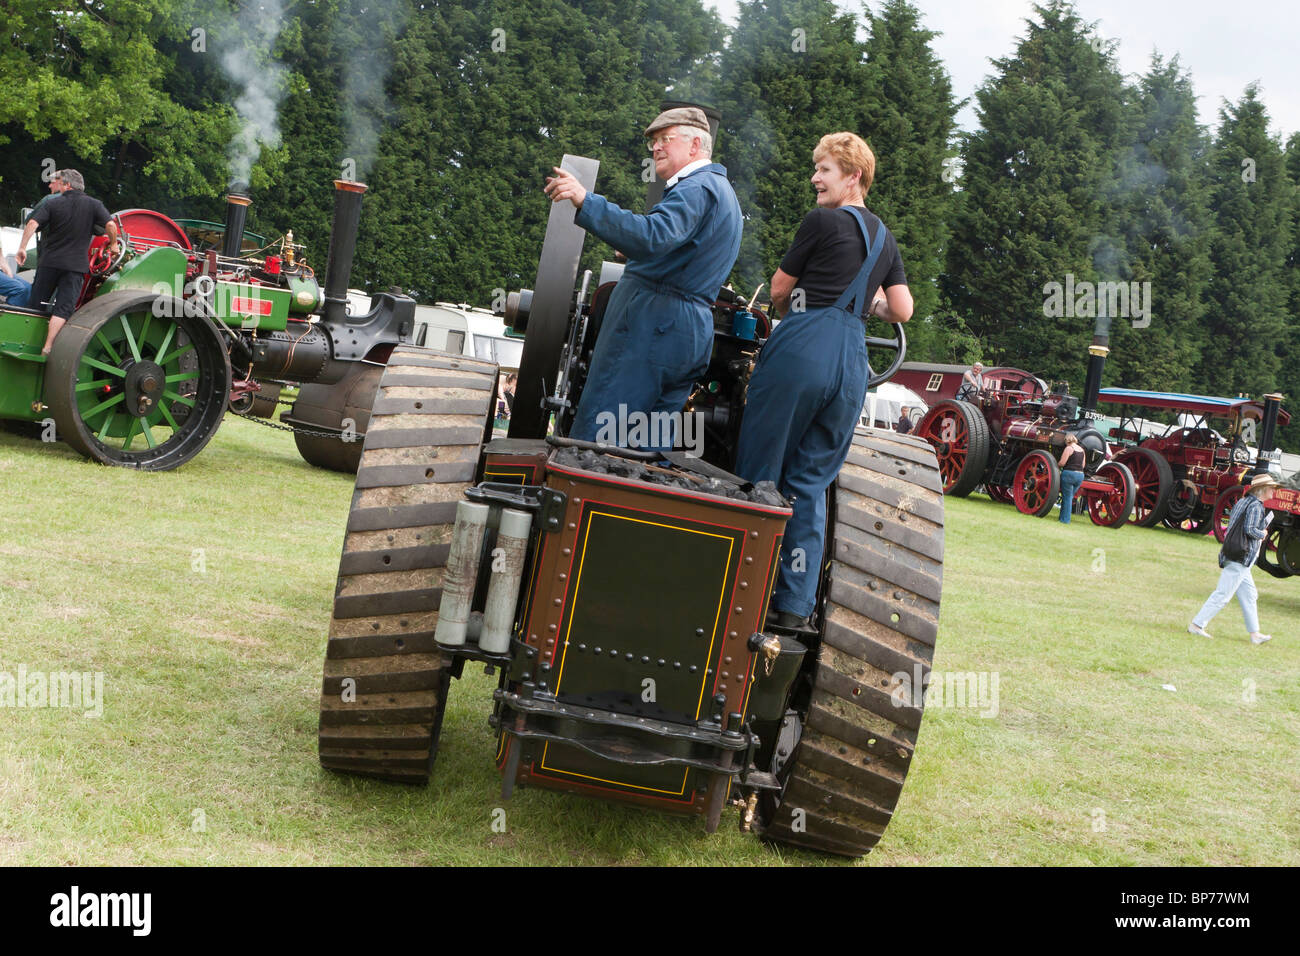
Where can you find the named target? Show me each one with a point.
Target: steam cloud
(260, 81)
(365, 72)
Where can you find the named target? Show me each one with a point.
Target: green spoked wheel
(133, 381)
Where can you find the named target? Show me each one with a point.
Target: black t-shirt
(828, 251)
(67, 223)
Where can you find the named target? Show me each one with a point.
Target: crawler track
(879, 619)
(421, 452)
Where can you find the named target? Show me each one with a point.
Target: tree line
(1078, 178)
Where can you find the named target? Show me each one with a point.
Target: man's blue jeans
(1070, 482)
(14, 290)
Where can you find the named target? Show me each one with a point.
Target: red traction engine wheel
(960, 438)
(1037, 484)
(1113, 507)
(1155, 483)
(1223, 508)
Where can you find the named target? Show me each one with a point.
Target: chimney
(1097, 353)
(343, 243)
(1267, 437)
(236, 213)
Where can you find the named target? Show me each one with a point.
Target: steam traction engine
(1183, 473)
(1009, 436)
(621, 596)
(165, 338)
(1280, 553)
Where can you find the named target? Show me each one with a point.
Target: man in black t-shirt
(67, 223)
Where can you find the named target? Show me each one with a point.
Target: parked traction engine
(1188, 474)
(165, 338)
(1010, 435)
(621, 596)
(1280, 553)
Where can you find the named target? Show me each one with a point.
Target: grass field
(203, 596)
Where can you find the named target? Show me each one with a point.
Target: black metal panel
(613, 645)
(557, 276)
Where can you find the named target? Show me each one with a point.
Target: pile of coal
(667, 474)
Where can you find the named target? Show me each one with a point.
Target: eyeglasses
(662, 140)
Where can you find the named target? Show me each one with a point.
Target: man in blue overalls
(657, 334)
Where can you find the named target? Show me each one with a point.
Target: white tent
(886, 403)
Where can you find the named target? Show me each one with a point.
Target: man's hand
(564, 185)
(29, 230)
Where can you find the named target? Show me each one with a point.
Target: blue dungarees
(657, 334)
(805, 398)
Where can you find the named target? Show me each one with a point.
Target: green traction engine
(167, 336)
(620, 597)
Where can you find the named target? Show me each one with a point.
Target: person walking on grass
(1235, 578)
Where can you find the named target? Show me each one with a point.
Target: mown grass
(203, 595)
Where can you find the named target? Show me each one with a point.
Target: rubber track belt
(385, 685)
(879, 619)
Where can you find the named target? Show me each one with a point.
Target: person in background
(972, 383)
(904, 421)
(1071, 462)
(509, 392)
(1235, 579)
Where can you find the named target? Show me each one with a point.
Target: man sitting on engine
(657, 334)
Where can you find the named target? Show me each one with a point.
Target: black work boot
(789, 621)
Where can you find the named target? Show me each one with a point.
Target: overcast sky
(1225, 45)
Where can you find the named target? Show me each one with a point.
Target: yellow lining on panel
(577, 583)
(681, 791)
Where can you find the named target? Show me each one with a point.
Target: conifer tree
(1248, 292)
(1161, 224)
(908, 115)
(791, 73)
(1032, 209)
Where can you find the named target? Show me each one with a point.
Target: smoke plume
(376, 26)
(247, 60)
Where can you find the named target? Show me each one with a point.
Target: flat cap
(680, 116)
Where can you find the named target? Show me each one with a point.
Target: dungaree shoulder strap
(858, 289)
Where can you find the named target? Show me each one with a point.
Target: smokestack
(1267, 438)
(1097, 353)
(236, 213)
(343, 243)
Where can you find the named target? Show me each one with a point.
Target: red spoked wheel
(1223, 509)
(1002, 494)
(960, 438)
(1111, 509)
(1155, 482)
(1037, 484)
